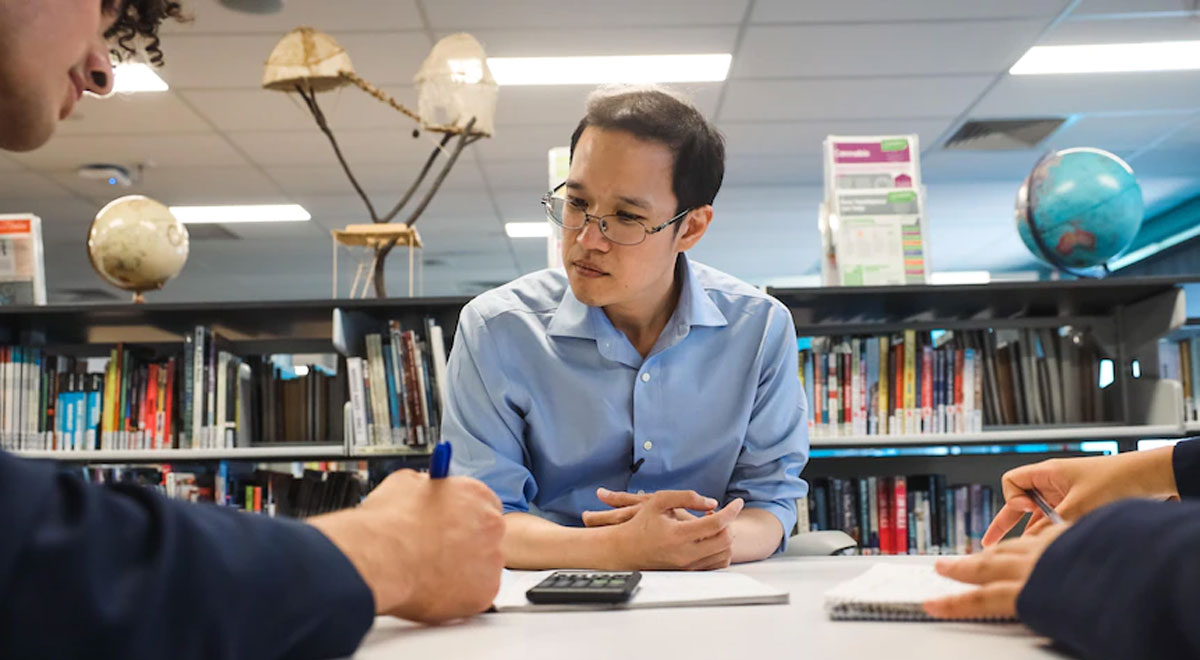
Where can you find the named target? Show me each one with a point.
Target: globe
(136, 244)
(1085, 203)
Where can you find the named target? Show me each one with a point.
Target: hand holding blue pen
(439, 461)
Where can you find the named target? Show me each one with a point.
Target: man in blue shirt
(617, 394)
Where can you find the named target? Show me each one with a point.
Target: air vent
(210, 232)
(1003, 134)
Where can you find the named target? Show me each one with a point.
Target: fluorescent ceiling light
(527, 229)
(609, 69)
(1110, 58)
(1146, 251)
(226, 215)
(131, 77)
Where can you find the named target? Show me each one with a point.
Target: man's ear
(695, 223)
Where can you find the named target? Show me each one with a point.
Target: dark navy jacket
(1124, 581)
(122, 572)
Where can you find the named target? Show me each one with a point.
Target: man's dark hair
(139, 20)
(658, 116)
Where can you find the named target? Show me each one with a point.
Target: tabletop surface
(799, 629)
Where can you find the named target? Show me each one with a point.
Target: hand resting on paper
(1001, 571)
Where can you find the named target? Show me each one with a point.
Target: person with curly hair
(122, 572)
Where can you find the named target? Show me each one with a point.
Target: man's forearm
(757, 533)
(533, 543)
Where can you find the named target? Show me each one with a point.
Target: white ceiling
(801, 69)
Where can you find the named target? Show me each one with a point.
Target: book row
(901, 515)
(397, 389)
(306, 492)
(941, 382)
(203, 396)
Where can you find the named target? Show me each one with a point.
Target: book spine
(873, 514)
(389, 365)
(910, 381)
(354, 373)
(197, 389)
(884, 496)
(900, 518)
(927, 389)
(976, 425)
(978, 523)
(379, 408)
(834, 392)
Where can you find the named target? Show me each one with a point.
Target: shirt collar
(695, 308)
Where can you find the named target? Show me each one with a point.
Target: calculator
(583, 587)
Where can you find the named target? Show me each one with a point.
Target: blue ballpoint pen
(439, 461)
(1044, 506)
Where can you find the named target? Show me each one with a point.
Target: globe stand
(1049, 255)
(375, 240)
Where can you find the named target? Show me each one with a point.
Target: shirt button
(647, 445)
(646, 377)
(641, 492)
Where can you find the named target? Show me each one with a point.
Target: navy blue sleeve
(122, 572)
(1123, 582)
(1186, 462)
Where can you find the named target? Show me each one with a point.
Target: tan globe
(136, 244)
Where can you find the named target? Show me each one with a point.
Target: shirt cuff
(1186, 463)
(786, 516)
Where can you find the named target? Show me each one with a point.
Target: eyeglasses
(620, 228)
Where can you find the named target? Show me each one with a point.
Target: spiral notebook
(891, 592)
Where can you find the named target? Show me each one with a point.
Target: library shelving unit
(247, 328)
(1126, 316)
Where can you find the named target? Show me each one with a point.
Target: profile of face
(51, 51)
(615, 172)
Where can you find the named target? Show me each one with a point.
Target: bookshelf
(1128, 316)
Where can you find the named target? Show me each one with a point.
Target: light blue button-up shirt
(547, 401)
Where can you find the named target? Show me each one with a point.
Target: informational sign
(22, 260)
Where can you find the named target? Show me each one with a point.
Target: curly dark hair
(139, 20)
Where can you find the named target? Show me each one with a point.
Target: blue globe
(1086, 204)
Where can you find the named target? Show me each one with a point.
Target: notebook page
(890, 592)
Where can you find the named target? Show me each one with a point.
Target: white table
(798, 630)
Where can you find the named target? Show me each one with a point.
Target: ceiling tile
(896, 97)
(7, 163)
(384, 184)
(818, 11)
(774, 170)
(1175, 28)
(185, 150)
(526, 142)
(556, 14)
(550, 104)
(186, 186)
(1187, 134)
(1093, 7)
(214, 17)
(526, 42)
(24, 184)
(1116, 133)
(946, 48)
(520, 205)
(280, 231)
(362, 148)
(971, 166)
(1167, 161)
(133, 113)
(236, 60)
(1029, 96)
(771, 138)
(525, 174)
(258, 109)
